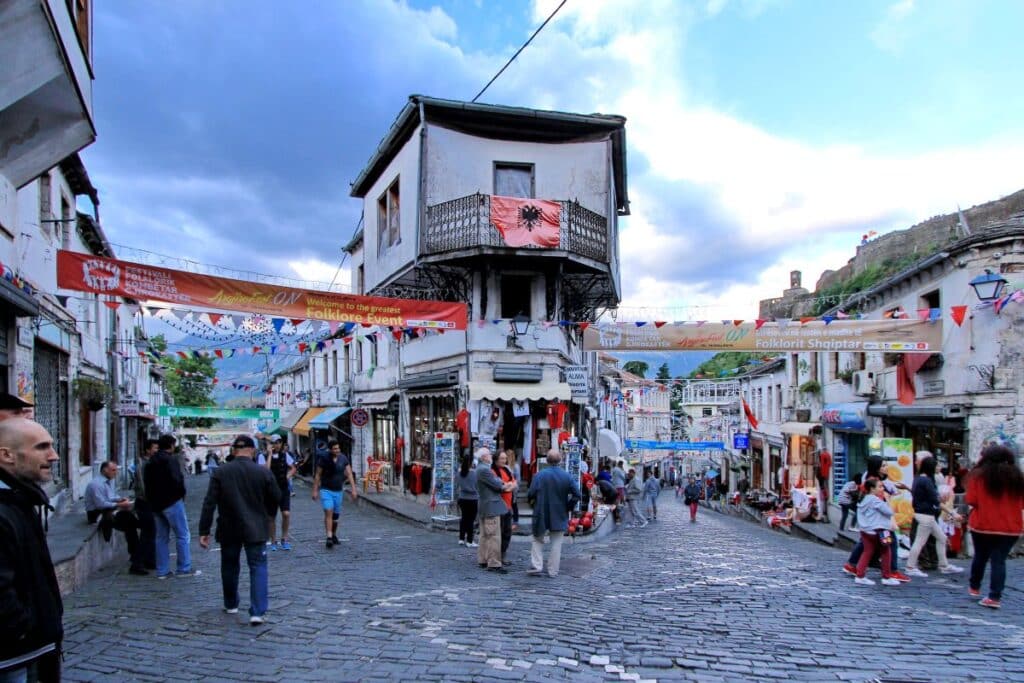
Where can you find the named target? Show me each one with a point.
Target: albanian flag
(527, 222)
(750, 414)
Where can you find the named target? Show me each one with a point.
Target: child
(847, 499)
(949, 519)
(875, 519)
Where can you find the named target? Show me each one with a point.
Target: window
(347, 367)
(930, 300)
(373, 352)
(794, 370)
(66, 223)
(833, 366)
(707, 412)
(358, 354)
(513, 180)
(515, 295)
(388, 223)
(360, 279)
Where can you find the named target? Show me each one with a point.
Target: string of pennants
(276, 342)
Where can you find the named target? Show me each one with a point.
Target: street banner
(99, 275)
(220, 413)
(646, 444)
(527, 222)
(890, 336)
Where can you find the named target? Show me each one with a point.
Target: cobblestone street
(717, 600)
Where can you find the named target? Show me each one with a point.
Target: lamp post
(988, 287)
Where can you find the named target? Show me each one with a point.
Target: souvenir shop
(848, 427)
(529, 419)
(428, 413)
(801, 440)
(941, 429)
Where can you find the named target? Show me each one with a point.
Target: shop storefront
(776, 472)
(801, 445)
(848, 425)
(941, 429)
(758, 464)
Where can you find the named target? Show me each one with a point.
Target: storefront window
(426, 416)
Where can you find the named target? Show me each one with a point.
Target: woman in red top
(504, 473)
(995, 492)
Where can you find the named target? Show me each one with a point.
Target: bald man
(31, 611)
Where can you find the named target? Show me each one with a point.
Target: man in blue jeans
(245, 494)
(165, 489)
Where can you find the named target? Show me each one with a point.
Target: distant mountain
(680, 363)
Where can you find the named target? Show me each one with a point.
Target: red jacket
(991, 515)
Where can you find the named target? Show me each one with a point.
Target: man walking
(143, 510)
(491, 508)
(691, 496)
(165, 488)
(103, 504)
(332, 471)
(282, 466)
(619, 480)
(31, 610)
(244, 494)
(553, 494)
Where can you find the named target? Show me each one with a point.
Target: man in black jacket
(245, 495)
(165, 489)
(30, 606)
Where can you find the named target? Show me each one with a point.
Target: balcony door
(513, 180)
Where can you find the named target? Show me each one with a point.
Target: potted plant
(94, 393)
(810, 387)
(846, 375)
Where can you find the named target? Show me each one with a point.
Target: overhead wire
(513, 57)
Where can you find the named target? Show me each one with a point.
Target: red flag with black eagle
(527, 222)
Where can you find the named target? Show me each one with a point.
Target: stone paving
(719, 600)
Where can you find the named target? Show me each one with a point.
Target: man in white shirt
(113, 511)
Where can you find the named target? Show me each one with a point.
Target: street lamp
(988, 287)
(520, 325)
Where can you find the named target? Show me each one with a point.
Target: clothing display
(418, 478)
(462, 424)
(556, 414)
(520, 408)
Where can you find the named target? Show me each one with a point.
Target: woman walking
(634, 490)
(691, 495)
(468, 501)
(995, 494)
(504, 473)
(926, 513)
(652, 488)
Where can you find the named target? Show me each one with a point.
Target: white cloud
(892, 32)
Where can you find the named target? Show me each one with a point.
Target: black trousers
(147, 533)
(506, 532)
(125, 522)
(468, 509)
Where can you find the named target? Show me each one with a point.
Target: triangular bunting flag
(215, 318)
(807, 319)
(759, 323)
(640, 324)
(278, 324)
(922, 313)
(737, 323)
(332, 327)
(828, 319)
(584, 326)
(153, 311)
(934, 314)
(783, 323)
(219, 353)
(701, 323)
(297, 321)
(302, 347)
(112, 305)
(841, 315)
(659, 323)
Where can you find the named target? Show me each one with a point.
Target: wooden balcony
(464, 224)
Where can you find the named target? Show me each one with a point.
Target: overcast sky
(764, 135)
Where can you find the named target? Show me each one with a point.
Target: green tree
(189, 381)
(724, 364)
(636, 367)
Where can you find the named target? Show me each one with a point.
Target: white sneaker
(230, 610)
(914, 571)
(255, 621)
(865, 581)
(461, 542)
(890, 582)
(472, 545)
(951, 569)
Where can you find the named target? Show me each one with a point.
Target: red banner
(527, 222)
(85, 273)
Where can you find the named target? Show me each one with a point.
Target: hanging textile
(528, 440)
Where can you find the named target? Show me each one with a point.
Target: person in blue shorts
(332, 470)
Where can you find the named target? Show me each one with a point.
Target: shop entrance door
(51, 403)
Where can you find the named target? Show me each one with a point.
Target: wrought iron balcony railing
(465, 223)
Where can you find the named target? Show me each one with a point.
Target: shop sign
(444, 467)
(272, 414)
(933, 387)
(740, 442)
(128, 407)
(573, 457)
(847, 416)
(576, 378)
(898, 455)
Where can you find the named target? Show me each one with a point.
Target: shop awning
(20, 302)
(800, 428)
(329, 415)
(302, 426)
(292, 418)
(373, 399)
(519, 391)
(431, 393)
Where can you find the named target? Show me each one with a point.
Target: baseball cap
(12, 402)
(274, 438)
(243, 442)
